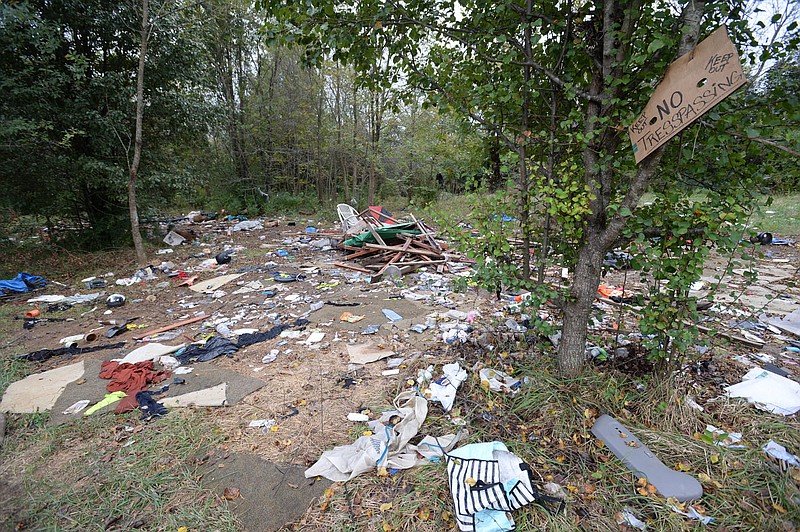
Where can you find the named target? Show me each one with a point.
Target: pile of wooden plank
(407, 246)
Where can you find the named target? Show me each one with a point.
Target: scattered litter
(515, 327)
(150, 351)
(392, 315)
(497, 381)
(157, 330)
(270, 357)
(262, 423)
(388, 447)
(149, 406)
(22, 282)
(626, 517)
(115, 300)
(76, 407)
(288, 277)
(252, 286)
(71, 341)
(718, 437)
(65, 300)
(394, 362)
(452, 336)
(130, 379)
(174, 239)
(169, 362)
(224, 257)
(779, 452)
(371, 329)
(248, 339)
(314, 338)
(445, 387)
(691, 403)
(693, 514)
(349, 317)
(555, 490)
(357, 417)
(247, 225)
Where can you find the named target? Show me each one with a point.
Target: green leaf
(655, 45)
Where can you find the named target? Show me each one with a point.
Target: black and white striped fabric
(486, 482)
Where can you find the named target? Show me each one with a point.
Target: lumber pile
(405, 245)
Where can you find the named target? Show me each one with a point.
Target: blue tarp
(23, 282)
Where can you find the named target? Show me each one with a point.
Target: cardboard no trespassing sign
(693, 84)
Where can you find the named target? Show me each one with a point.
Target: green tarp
(386, 233)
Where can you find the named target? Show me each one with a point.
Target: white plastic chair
(348, 216)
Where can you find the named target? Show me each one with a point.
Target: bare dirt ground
(310, 388)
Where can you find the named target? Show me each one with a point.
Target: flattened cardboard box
(693, 84)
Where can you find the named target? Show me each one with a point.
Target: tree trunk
(571, 350)
(602, 231)
(320, 108)
(354, 195)
(133, 171)
(524, 185)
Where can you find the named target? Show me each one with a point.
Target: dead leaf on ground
(231, 493)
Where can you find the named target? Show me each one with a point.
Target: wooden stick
(420, 263)
(425, 233)
(351, 267)
(397, 256)
(400, 248)
(418, 243)
(375, 235)
(169, 327)
(361, 253)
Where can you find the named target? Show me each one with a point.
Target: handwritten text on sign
(693, 84)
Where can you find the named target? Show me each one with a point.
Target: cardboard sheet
(149, 352)
(768, 391)
(368, 352)
(214, 396)
(40, 391)
(212, 285)
(790, 323)
(692, 85)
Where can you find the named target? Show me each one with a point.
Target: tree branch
(764, 141)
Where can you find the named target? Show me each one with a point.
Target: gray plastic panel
(643, 463)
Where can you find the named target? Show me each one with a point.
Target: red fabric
(381, 215)
(130, 378)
